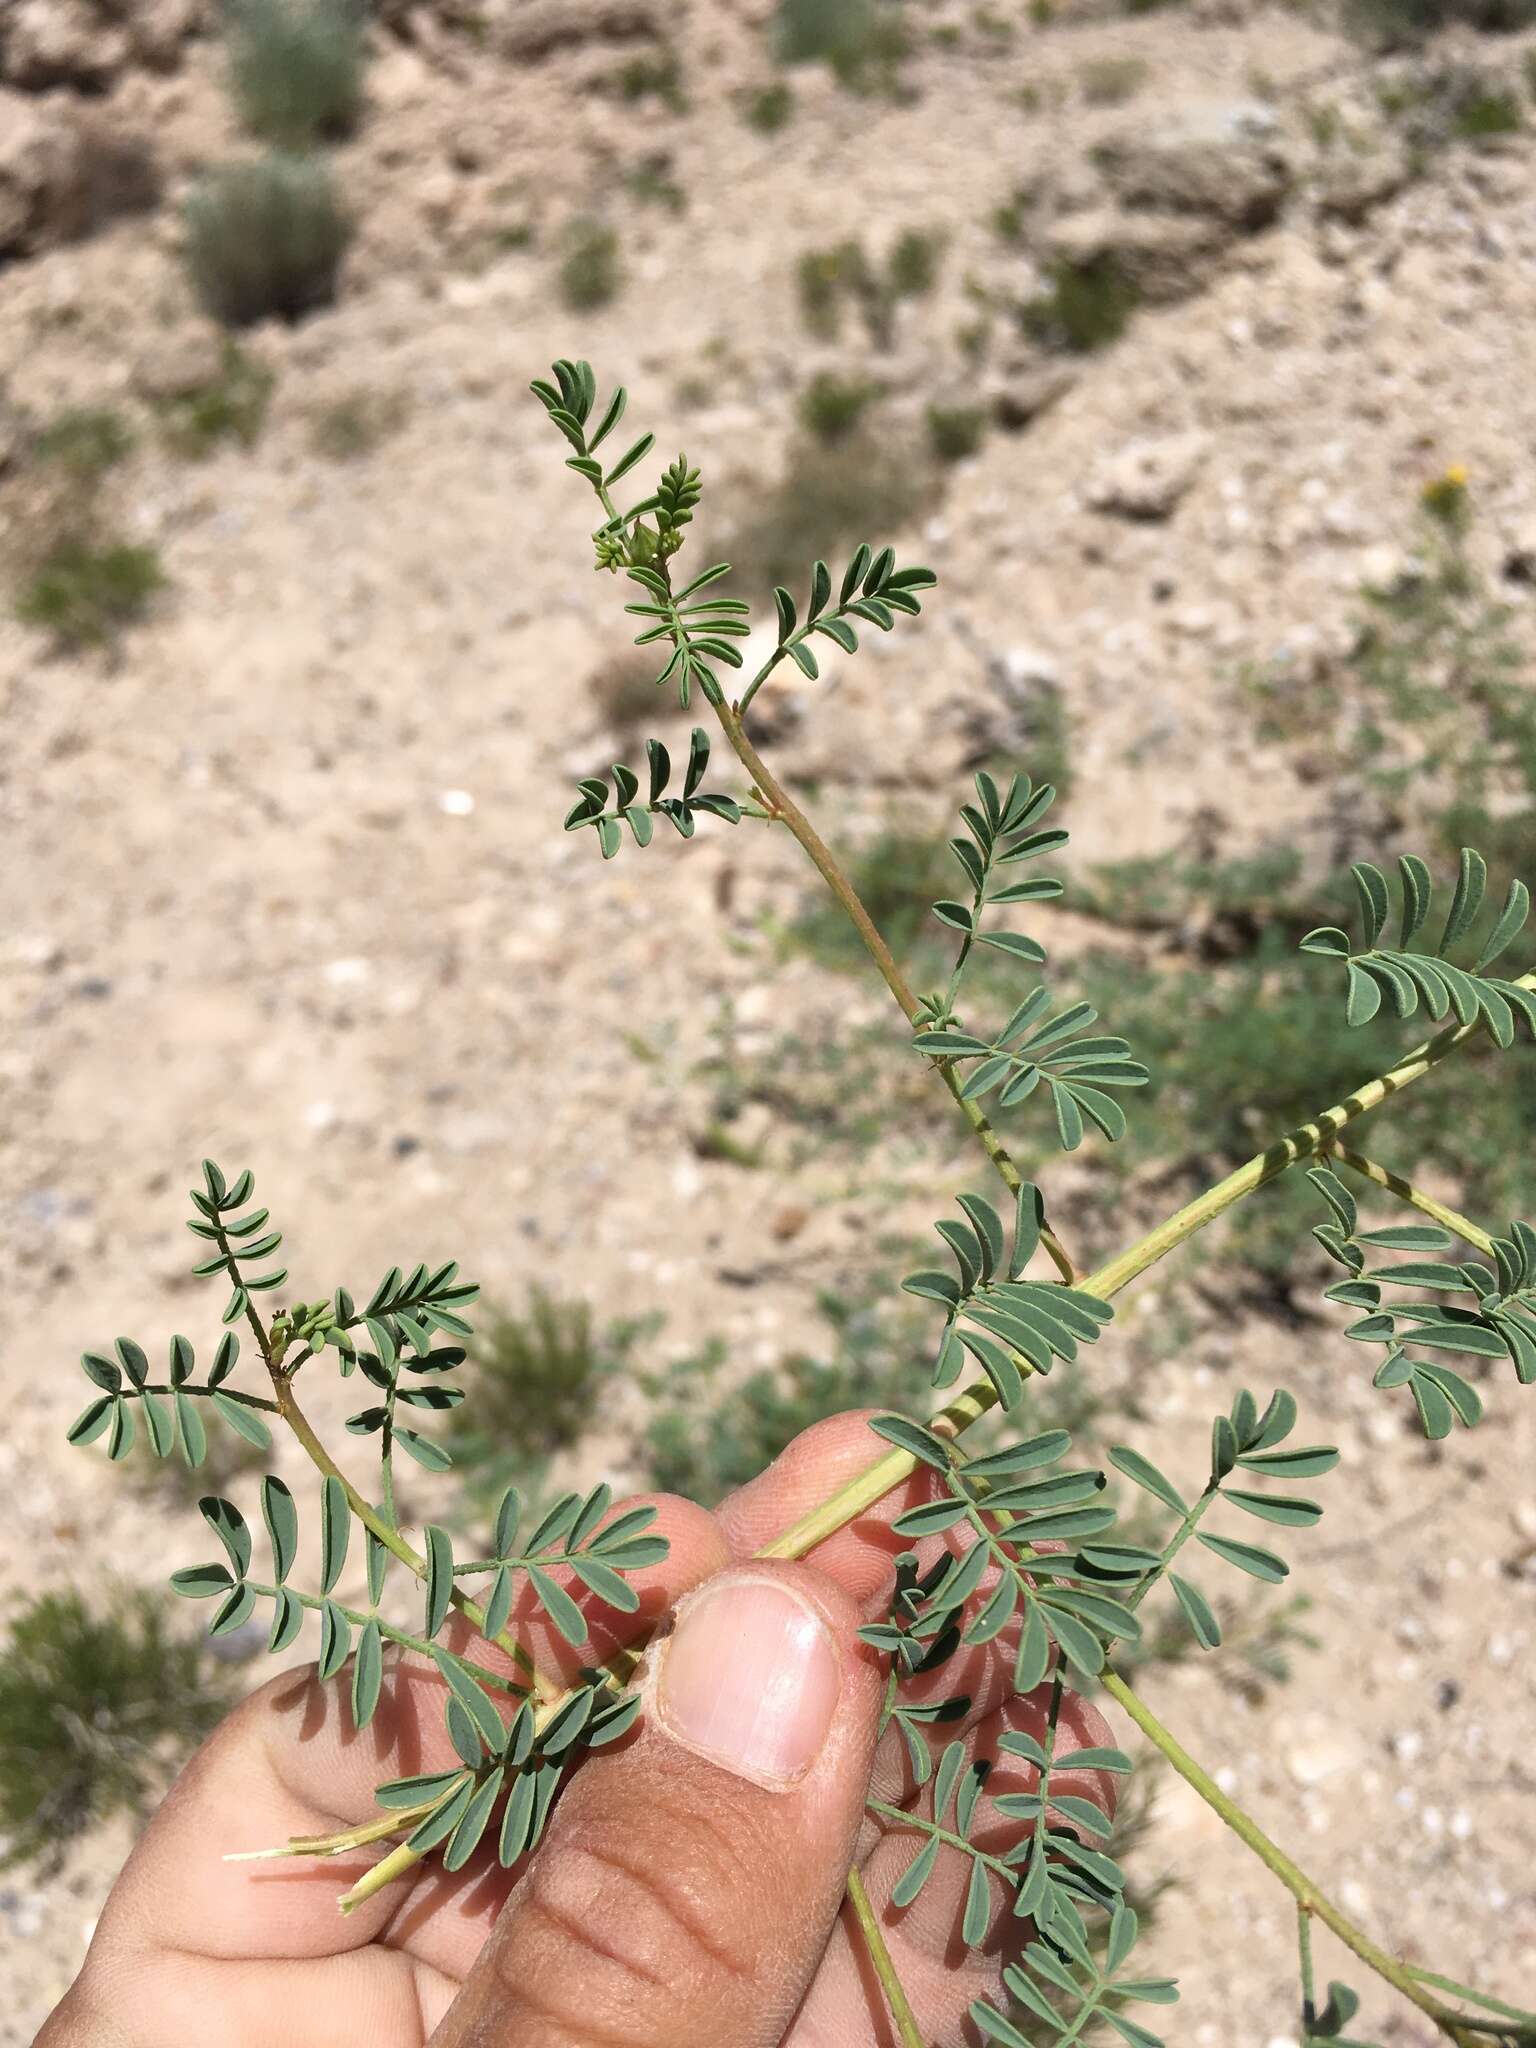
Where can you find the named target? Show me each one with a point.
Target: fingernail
(750, 1678)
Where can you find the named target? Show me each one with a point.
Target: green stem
(860, 1493)
(1308, 1895)
(1001, 1557)
(387, 1450)
(546, 1560)
(1439, 1983)
(1175, 1544)
(900, 1817)
(809, 839)
(880, 1957)
(400, 1819)
(1043, 1782)
(201, 1393)
(1308, 1983)
(1301, 1143)
(760, 678)
(1383, 1176)
(386, 1871)
(541, 1686)
(1089, 2009)
(359, 1617)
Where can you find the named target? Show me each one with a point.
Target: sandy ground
(284, 883)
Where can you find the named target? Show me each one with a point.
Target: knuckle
(617, 1910)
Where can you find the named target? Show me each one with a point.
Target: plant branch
(890, 1470)
(861, 1492)
(359, 1617)
(542, 1687)
(784, 807)
(202, 1394)
(1308, 1981)
(387, 1450)
(1450, 1219)
(900, 1817)
(1192, 1516)
(880, 1956)
(1302, 1888)
(400, 1820)
(1439, 1983)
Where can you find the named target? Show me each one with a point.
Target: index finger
(290, 1761)
(860, 1556)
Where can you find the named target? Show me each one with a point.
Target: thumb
(687, 1886)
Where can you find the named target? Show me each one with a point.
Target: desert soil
(284, 880)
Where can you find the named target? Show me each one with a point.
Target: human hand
(688, 1891)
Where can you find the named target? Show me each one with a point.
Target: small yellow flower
(1445, 496)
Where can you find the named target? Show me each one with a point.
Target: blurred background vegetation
(1190, 955)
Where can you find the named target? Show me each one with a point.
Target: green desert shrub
(232, 406)
(86, 440)
(296, 67)
(828, 498)
(653, 75)
(590, 269)
(84, 592)
(71, 574)
(707, 1434)
(828, 279)
(346, 428)
(955, 431)
(769, 108)
(1485, 113)
(832, 406)
(1084, 305)
(862, 40)
(100, 1702)
(265, 239)
(533, 1378)
(1402, 24)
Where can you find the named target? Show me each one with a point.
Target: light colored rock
(539, 27)
(1023, 669)
(1348, 184)
(39, 168)
(1224, 160)
(1021, 389)
(397, 78)
(64, 172)
(61, 42)
(1321, 1755)
(157, 29)
(182, 360)
(1166, 256)
(440, 194)
(1146, 478)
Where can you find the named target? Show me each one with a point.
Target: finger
(940, 1973)
(313, 2003)
(975, 1678)
(288, 1762)
(823, 1458)
(684, 1894)
(860, 1556)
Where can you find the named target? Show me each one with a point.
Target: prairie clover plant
(1025, 1540)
